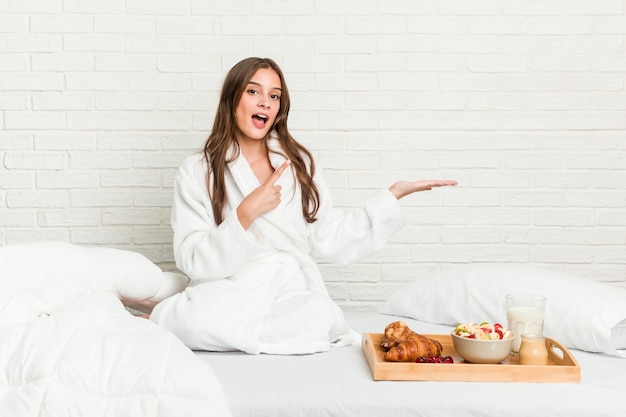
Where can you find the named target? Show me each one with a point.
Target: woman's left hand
(404, 188)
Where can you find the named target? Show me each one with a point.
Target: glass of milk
(524, 313)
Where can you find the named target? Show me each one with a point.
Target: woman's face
(259, 105)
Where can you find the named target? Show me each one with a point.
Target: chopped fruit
(483, 331)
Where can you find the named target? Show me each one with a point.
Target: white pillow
(580, 313)
(39, 277)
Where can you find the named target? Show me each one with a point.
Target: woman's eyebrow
(271, 88)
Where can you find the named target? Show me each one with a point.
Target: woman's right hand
(264, 198)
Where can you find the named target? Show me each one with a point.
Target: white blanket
(69, 347)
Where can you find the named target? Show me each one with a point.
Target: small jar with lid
(533, 350)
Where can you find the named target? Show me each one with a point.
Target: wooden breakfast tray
(561, 367)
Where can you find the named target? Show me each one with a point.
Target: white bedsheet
(339, 383)
(68, 347)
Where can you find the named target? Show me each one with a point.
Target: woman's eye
(252, 91)
(275, 96)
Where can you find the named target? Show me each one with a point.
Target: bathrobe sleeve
(346, 236)
(203, 250)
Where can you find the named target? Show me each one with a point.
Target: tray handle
(558, 353)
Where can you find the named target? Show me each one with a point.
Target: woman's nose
(264, 102)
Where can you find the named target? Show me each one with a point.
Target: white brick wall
(522, 101)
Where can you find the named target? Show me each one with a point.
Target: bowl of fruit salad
(482, 343)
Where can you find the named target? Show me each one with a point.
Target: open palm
(403, 188)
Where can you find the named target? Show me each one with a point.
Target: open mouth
(260, 119)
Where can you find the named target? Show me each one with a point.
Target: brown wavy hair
(222, 140)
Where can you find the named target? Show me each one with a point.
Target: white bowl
(482, 351)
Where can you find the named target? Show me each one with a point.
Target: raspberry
(435, 359)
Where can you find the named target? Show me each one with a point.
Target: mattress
(339, 383)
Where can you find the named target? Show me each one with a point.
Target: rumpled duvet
(69, 347)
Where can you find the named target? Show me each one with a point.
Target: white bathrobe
(260, 290)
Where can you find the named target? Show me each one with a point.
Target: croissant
(395, 332)
(413, 347)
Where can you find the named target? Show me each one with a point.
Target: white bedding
(68, 347)
(339, 383)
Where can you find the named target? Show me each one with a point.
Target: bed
(69, 346)
(585, 316)
(339, 383)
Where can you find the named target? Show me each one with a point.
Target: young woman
(250, 213)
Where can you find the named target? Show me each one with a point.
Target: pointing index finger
(276, 175)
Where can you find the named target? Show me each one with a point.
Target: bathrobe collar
(284, 225)
(244, 176)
